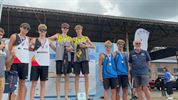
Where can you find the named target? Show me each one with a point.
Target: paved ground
(156, 95)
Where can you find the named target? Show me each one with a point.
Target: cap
(25, 25)
(65, 25)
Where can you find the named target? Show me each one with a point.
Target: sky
(166, 10)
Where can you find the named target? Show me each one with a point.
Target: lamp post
(1, 5)
(177, 57)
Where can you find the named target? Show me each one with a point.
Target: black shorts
(63, 70)
(39, 71)
(110, 82)
(22, 70)
(123, 81)
(81, 66)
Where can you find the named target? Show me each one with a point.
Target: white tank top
(22, 52)
(41, 56)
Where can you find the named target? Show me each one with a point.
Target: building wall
(157, 69)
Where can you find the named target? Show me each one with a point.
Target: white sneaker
(170, 98)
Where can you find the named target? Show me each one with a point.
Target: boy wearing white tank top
(40, 61)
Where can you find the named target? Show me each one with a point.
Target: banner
(143, 35)
(95, 86)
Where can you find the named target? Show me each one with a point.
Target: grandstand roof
(98, 27)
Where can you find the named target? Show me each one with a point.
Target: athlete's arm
(2, 45)
(72, 42)
(129, 67)
(11, 43)
(114, 54)
(54, 37)
(101, 57)
(91, 44)
(9, 60)
(127, 56)
(70, 48)
(32, 44)
(51, 45)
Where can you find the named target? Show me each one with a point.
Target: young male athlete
(19, 43)
(63, 58)
(81, 59)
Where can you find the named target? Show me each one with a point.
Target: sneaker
(90, 98)
(170, 98)
(58, 97)
(102, 97)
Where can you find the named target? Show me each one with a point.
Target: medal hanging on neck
(22, 41)
(109, 57)
(43, 44)
(122, 58)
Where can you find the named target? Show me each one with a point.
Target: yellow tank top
(77, 40)
(63, 38)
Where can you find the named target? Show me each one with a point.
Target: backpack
(11, 78)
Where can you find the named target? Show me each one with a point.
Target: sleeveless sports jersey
(3, 57)
(108, 67)
(41, 55)
(61, 43)
(81, 54)
(121, 63)
(21, 47)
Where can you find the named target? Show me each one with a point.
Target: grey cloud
(90, 6)
(150, 9)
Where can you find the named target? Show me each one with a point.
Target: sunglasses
(121, 45)
(26, 28)
(43, 30)
(65, 27)
(108, 46)
(137, 43)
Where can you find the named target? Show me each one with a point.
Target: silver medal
(122, 61)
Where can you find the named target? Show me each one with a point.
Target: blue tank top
(121, 63)
(109, 68)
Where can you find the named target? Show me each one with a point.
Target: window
(160, 70)
(175, 70)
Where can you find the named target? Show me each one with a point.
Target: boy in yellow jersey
(81, 58)
(63, 66)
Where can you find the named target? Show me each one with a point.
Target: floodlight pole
(1, 6)
(127, 41)
(177, 57)
(127, 36)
